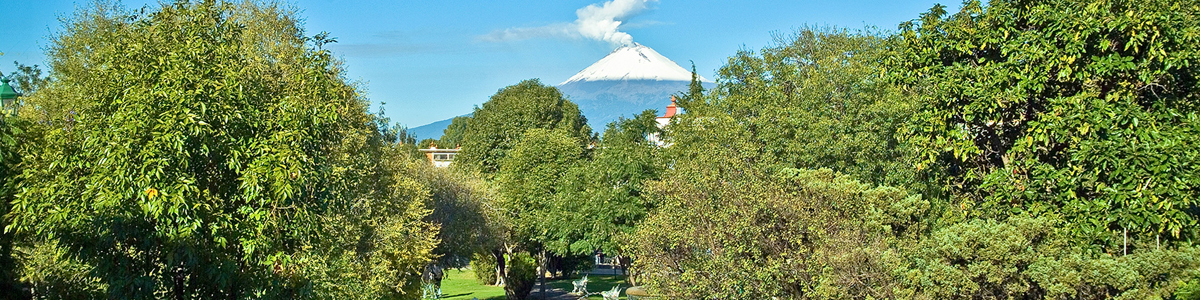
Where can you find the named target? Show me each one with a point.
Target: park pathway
(551, 293)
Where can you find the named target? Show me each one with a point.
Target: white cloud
(595, 22)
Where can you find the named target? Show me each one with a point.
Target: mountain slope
(432, 130)
(635, 62)
(627, 81)
(606, 100)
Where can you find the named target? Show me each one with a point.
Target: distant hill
(627, 81)
(432, 130)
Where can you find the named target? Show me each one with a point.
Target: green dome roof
(6, 91)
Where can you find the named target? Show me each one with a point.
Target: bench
(580, 286)
(612, 294)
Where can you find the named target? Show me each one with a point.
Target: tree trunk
(542, 272)
(624, 262)
(500, 271)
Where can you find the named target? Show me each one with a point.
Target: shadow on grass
(596, 284)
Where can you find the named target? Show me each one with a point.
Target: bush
(518, 282)
(804, 234)
(1189, 291)
(484, 267)
(1027, 258)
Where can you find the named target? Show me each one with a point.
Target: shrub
(484, 267)
(1027, 258)
(518, 282)
(1189, 291)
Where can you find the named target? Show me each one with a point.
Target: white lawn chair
(580, 286)
(612, 294)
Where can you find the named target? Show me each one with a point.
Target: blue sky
(432, 60)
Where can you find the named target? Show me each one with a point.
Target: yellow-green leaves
(205, 150)
(1086, 98)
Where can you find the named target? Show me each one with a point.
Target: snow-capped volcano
(633, 62)
(624, 83)
(629, 80)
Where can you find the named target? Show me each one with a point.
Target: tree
(528, 179)
(498, 125)
(695, 90)
(27, 79)
(466, 209)
(453, 135)
(207, 150)
(12, 134)
(600, 201)
(1081, 109)
(1032, 258)
(817, 99)
(729, 231)
(771, 189)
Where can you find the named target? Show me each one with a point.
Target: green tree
(12, 137)
(498, 125)
(207, 150)
(528, 181)
(453, 135)
(600, 201)
(740, 213)
(519, 280)
(728, 231)
(695, 90)
(465, 208)
(1084, 109)
(1032, 258)
(27, 79)
(817, 99)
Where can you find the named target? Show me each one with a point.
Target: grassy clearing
(461, 285)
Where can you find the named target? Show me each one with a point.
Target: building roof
(6, 91)
(439, 150)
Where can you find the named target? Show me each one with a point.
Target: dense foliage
(1084, 109)
(1053, 142)
(528, 179)
(1024, 257)
(465, 207)
(484, 268)
(815, 100)
(519, 279)
(209, 150)
(1042, 149)
(498, 125)
(27, 79)
(10, 132)
(600, 201)
(729, 231)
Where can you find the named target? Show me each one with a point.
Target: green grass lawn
(596, 284)
(461, 285)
